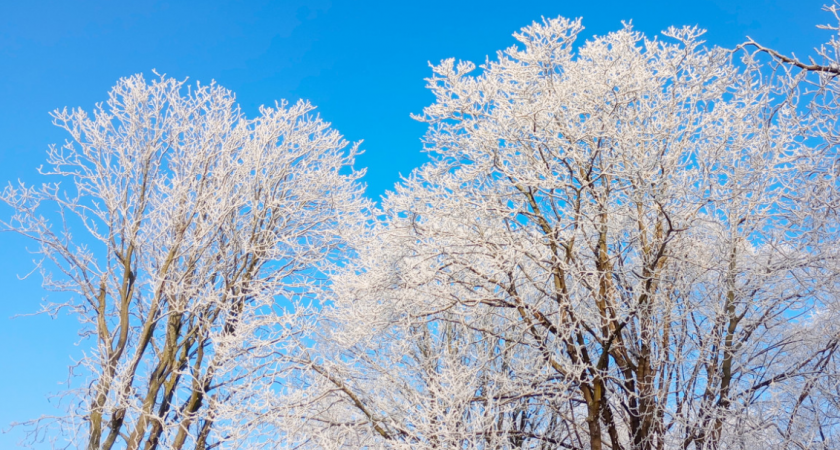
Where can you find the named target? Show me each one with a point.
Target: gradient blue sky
(362, 63)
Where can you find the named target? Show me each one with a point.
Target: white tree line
(625, 243)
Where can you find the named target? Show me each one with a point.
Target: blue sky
(362, 63)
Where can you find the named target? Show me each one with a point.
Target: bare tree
(203, 237)
(628, 245)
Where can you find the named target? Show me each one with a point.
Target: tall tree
(203, 235)
(631, 244)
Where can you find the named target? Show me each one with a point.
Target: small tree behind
(200, 226)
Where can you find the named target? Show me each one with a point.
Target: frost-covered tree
(198, 239)
(626, 244)
(621, 244)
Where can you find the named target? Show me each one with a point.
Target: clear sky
(362, 63)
